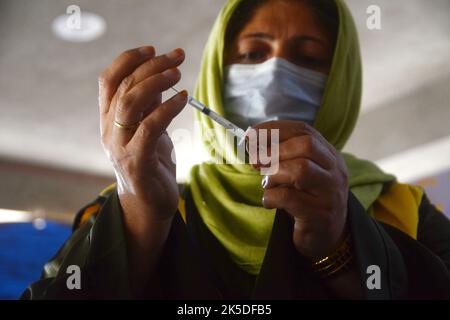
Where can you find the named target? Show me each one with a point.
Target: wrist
(336, 263)
(147, 211)
(143, 222)
(318, 241)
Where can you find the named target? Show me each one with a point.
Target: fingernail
(170, 73)
(265, 181)
(182, 95)
(176, 54)
(146, 51)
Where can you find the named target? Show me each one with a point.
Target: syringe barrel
(196, 104)
(217, 118)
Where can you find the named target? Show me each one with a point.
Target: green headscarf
(228, 196)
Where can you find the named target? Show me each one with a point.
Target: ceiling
(48, 87)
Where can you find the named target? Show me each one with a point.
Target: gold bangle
(335, 263)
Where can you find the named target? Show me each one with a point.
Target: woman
(325, 225)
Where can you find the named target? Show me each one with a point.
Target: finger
(262, 148)
(301, 174)
(121, 67)
(153, 66)
(289, 129)
(305, 146)
(131, 107)
(296, 202)
(155, 124)
(308, 147)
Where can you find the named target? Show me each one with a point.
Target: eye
(310, 61)
(252, 56)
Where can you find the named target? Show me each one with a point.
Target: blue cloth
(23, 252)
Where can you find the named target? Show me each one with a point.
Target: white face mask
(273, 90)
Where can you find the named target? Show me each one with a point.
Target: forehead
(283, 18)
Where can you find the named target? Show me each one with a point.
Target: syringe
(234, 129)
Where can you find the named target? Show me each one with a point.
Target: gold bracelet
(335, 263)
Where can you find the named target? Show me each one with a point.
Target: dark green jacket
(194, 265)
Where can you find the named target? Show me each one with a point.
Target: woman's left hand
(311, 184)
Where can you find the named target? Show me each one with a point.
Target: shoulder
(89, 212)
(399, 206)
(427, 275)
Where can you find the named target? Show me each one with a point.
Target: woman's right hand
(133, 125)
(140, 150)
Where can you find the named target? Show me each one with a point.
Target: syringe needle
(216, 117)
(174, 89)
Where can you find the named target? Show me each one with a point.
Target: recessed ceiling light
(90, 28)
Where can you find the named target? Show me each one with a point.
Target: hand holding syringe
(237, 131)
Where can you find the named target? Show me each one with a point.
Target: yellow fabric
(229, 203)
(94, 209)
(107, 190)
(182, 208)
(399, 207)
(89, 211)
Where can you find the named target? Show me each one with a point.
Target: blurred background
(51, 159)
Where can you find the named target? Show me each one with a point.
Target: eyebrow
(265, 36)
